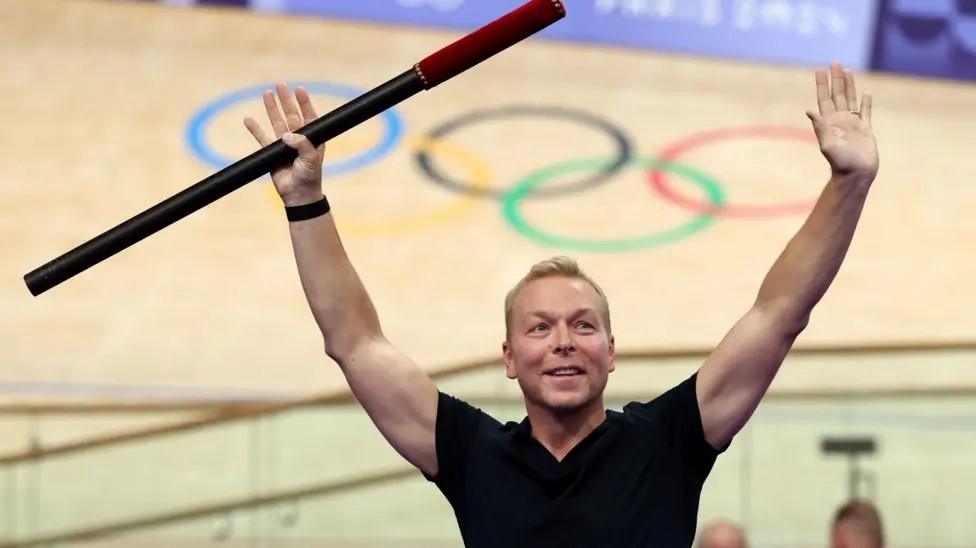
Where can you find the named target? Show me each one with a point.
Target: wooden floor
(98, 98)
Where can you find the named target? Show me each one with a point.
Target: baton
(434, 69)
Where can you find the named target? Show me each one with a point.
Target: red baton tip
(490, 39)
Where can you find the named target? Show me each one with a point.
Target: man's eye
(539, 327)
(584, 325)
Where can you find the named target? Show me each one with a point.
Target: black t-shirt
(634, 481)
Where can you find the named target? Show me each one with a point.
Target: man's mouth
(565, 371)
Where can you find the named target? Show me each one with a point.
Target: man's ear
(509, 360)
(613, 355)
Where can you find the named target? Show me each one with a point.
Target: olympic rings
(661, 186)
(522, 189)
(619, 138)
(454, 210)
(478, 181)
(196, 127)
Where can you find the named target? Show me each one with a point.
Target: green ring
(513, 198)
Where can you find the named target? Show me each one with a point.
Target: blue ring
(197, 125)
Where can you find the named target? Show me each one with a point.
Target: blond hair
(559, 266)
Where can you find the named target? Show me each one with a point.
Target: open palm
(843, 129)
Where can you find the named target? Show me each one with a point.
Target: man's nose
(563, 341)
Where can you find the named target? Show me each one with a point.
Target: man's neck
(559, 433)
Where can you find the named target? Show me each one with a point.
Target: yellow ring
(479, 176)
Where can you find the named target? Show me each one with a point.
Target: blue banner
(806, 32)
(930, 37)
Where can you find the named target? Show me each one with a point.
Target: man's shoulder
(675, 399)
(452, 409)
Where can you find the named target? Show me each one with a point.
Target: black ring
(620, 139)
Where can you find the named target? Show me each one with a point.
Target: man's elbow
(340, 349)
(788, 317)
(348, 349)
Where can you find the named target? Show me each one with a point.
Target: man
(857, 524)
(573, 473)
(721, 534)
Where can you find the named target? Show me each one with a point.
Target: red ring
(660, 184)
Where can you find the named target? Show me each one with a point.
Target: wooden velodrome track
(100, 98)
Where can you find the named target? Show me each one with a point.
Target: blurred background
(178, 394)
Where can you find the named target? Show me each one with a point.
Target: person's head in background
(857, 524)
(721, 534)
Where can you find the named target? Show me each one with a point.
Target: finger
(839, 88)
(866, 107)
(824, 103)
(292, 117)
(817, 121)
(305, 104)
(274, 114)
(259, 135)
(308, 111)
(851, 89)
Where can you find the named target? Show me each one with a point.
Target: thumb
(815, 118)
(300, 143)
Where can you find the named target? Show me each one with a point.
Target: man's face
(559, 349)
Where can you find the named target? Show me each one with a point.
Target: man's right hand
(301, 182)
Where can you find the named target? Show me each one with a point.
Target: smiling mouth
(570, 371)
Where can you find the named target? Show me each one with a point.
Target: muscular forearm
(805, 269)
(338, 300)
(335, 294)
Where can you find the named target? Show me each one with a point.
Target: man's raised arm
(736, 375)
(398, 396)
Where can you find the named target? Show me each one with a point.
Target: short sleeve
(458, 426)
(678, 411)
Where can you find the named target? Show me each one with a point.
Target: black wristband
(307, 211)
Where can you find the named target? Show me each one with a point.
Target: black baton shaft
(220, 184)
